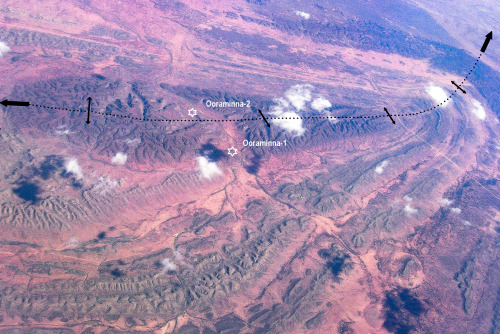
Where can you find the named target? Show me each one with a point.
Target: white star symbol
(232, 151)
(192, 112)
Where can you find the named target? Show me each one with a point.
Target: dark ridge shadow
(98, 76)
(410, 303)
(212, 153)
(19, 56)
(76, 184)
(189, 328)
(117, 272)
(27, 191)
(335, 261)
(256, 162)
(402, 310)
(48, 167)
(335, 265)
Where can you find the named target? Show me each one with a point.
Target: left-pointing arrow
(15, 103)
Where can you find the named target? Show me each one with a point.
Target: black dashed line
(271, 118)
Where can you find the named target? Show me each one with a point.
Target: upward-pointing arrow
(489, 37)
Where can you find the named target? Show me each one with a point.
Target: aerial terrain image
(258, 166)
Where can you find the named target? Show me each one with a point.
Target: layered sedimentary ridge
(140, 221)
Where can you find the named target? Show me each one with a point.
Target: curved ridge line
(271, 118)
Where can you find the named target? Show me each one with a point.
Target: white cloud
(320, 103)
(303, 14)
(286, 111)
(178, 256)
(333, 120)
(445, 201)
(286, 118)
(63, 132)
(207, 168)
(3, 48)
(298, 95)
(478, 110)
(119, 158)
(104, 184)
(168, 265)
(407, 198)
(437, 94)
(180, 259)
(409, 209)
(133, 142)
(381, 166)
(466, 223)
(456, 210)
(289, 121)
(73, 167)
(73, 242)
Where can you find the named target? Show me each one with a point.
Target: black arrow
(463, 91)
(393, 122)
(265, 120)
(15, 103)
(489, 37)
(88, 111)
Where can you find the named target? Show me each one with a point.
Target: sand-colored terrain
(354, 226)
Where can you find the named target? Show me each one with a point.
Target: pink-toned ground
(353, 227)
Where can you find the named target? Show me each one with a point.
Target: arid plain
(356, 225)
